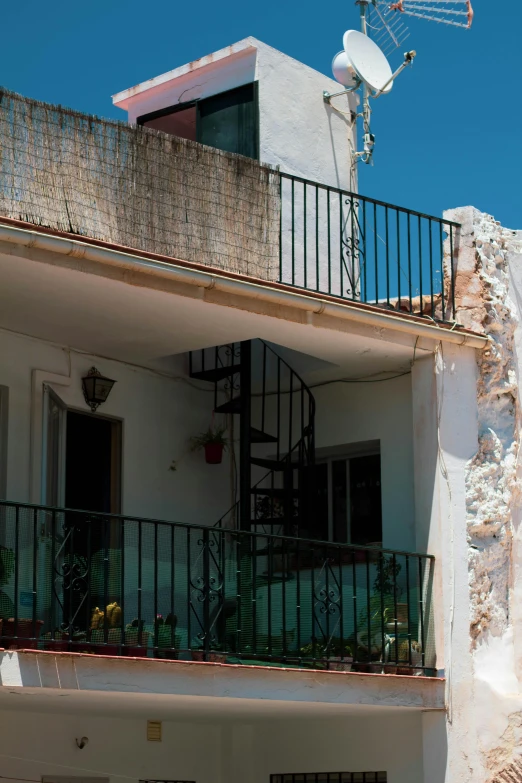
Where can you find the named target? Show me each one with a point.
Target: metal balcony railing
(339, 243)
(84, 582)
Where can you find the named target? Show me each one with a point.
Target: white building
(334, 601)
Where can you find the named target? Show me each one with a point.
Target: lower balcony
(74, 581)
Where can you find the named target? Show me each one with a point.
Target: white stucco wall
(298, 131)
(355, 413)
(346, 744)
(159, 415)
(36, 744)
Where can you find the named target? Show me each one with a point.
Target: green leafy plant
(380, 608)
(335, 647)
(212, 435)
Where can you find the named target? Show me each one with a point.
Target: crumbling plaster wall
(489, 300)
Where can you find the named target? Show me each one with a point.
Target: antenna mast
(368, 137)
(363, 62)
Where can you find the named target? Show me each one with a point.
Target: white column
(445, 439)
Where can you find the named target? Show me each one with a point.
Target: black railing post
(245, 512)
(206, 593)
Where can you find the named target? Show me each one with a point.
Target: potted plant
(334, 654)
(377, 617)
(166, 642)
(106, 625)
(213, 443)
(136, 639)
(214, 654)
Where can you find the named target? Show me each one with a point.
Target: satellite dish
(368, 61)
(343, 71)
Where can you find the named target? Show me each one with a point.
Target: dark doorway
(92, 484)
(92, 463)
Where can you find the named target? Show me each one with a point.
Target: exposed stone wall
(485, 302)
(137, 187)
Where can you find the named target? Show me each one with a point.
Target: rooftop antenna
(363, 63)
(458, 13)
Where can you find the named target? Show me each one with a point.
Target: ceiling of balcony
(140, 325)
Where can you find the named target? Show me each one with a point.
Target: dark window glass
(365, 500)
(179, 123)
(333, 777)
(340, 501)
(229, 121)
(317, 523)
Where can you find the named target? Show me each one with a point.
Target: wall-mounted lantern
(96, 388)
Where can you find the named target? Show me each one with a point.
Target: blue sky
(450, 134)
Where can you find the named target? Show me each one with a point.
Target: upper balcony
(176, 200)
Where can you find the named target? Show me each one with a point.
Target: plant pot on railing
(57, 642)
(335, 654)
(61, 642)
(340, 664)
(136, 644)
(166, 642)
(27, 634)
(98, 644)
(212, 656)
(406, 660)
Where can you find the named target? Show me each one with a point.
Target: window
(181, 122)
(349, 499)
(227, 121)
(331, 777)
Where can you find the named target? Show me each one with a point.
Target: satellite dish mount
(363, 64)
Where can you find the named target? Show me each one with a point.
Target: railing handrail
(368, 199)
(212, 528)
(291, 369)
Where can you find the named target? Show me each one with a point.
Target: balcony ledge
(38, 672)
(217, 286)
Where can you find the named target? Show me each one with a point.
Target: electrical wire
(358, 380)
(367, 379)
(68, 351)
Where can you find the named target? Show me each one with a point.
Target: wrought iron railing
(343, 244)
(115, 585)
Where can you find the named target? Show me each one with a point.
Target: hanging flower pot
(214, 453)
(213, 443)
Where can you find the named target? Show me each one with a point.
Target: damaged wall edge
(489, 300)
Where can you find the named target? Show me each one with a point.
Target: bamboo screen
(137, 187)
